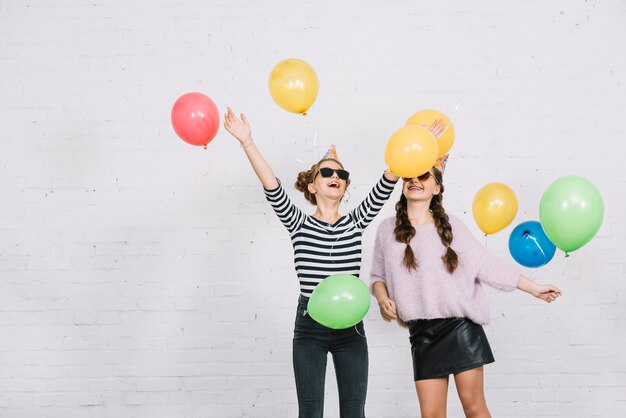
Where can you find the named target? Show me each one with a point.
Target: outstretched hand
(546, 292)
(239, 128)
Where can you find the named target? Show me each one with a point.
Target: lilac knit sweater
(430, 291)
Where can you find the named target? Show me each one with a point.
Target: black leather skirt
(441, 347)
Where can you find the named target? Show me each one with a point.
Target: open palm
(239, 128)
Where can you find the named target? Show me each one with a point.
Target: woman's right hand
(388, 309)
(239, 128)
(438, 127)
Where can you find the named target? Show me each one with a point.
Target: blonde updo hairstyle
(307, 177)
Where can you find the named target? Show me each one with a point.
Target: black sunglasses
(423, 177)
(328, 172)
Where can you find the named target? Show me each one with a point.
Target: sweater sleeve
(498, 273)
(491, 269)
(373, 203)
(377, 273)
(287, 212)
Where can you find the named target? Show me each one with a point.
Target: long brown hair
(404, 231)
(307, 177)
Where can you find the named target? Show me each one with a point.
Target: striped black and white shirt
(322, 249)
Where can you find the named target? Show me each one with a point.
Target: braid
(404, 232)
(444, 229)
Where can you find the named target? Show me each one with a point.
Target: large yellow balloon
(494, 208)
(411, 151)
(426, 118)
(293, 85)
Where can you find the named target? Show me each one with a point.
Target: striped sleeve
(373, 203)
(287, 212)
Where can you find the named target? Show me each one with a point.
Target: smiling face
(332, 187)
(415, 189)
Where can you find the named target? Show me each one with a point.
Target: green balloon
(571, 212)
(339, 301)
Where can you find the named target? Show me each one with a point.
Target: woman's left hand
(546, 292)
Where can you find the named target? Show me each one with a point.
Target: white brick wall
(143, 277)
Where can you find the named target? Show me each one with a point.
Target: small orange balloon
(426, 118)
(494, 208)
(411, 151)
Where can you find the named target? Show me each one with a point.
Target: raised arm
(391, 177)
(365, 212)
(241, 130)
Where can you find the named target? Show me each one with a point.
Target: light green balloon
(339, 301)
(571, 212)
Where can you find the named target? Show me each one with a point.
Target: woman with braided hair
(427, 273)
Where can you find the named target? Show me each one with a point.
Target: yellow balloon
(494, 208)
(411, 151)
(293, 85)
(426, 118)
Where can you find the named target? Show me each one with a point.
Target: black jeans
(311, 344)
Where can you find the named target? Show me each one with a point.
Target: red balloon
(195, 118)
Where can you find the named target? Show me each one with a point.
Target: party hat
(331, 153)
(440, 164)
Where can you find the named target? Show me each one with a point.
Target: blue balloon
(530, 246)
